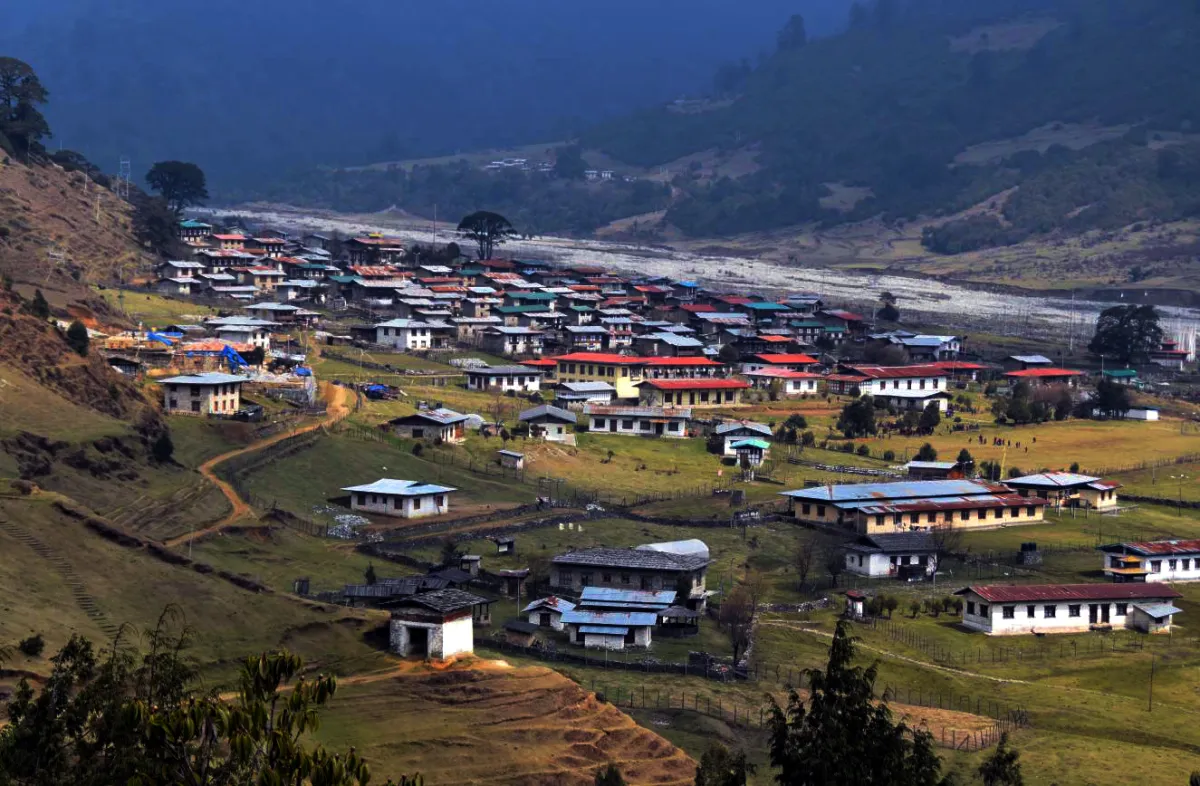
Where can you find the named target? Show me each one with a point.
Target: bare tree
(806, 552)
(737, 617)
(835, 564)
(946, 540)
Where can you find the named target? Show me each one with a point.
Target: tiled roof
(445, 600)
(632, 558)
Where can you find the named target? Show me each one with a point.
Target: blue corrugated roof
(1157, 610)
(882, 492)
(626, 618)
(604, 630)
(402, 488)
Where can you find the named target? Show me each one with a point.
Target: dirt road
(335, 410)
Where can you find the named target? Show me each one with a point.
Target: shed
(521, 633)
(511, 459)
(435, 624)
(505, 544)
(547, 612)
(470, 563)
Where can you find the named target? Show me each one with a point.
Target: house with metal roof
(410, 334)
(1068, 489)
(871, 508)
(202, 394)
(487, 379)
(512, 340)
(882, 380)
(408, 499)
(902, 555)
(638, 421)
(1153, 560)
(610, 630)
(444, 424)
(751, 452)
(667, 343)
(1002, 609)
(1024, 362)
(791, 383)
(581, 393)
(438, 624)
(547, 612)
(697, 392)
(737, 430)
(614, 599)
(650, 568)
(553, 424)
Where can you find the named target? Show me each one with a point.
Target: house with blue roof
(408, 499)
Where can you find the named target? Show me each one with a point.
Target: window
(1122, 609)
(805, 509)
(599, 423)
(644, 425)
(931, 517)
(1155, 565)
(172, 404)
(1016, 513)
(1184, 564)
(1031, 611)
(966, 515)
(983, 610)
(970, 607)
(999, 513)
(627, 424)
(416, 503)
(923, 561)
(440, 500)
(606, 578)
(1171, 564)
(1074, 610)
(879, 521)
(673, 426)
(913, 518)
(1008, 612)
(1049, 611)
(624, 578)
(362, 499)
(821, 511)
(1031, 511)
(396, 503)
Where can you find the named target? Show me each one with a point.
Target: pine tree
(77, 338)
(39, 307)
(1003, 767)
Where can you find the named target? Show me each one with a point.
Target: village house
(918, 400)
(503, 378)
(1067, 489)
(584, 338)
(791, 383)
(179, 286)
(1044, 376)
(247, 330)
(854, 324)
(1169, 355)
(202, 394)
(668, 344)
(515, 341)
(1000, 610)
(229, 242)
(511, 459)
(373, 250)
(469, 330)
(437, 625)
(870, 508)
(407, 499)
(794, 361)
(751, 452)
(1155, 560)
(902, 555)
(674, 565)
(921, 348)
(610, 630)
(937, 470)
(701, 393)
(444, 424)
(877, 380)
(638, 421)
(623, 372)
(738, 430)
(549, 423)
(191, 229)
(1026, 362)
(412, 334)
(548, 612)
(581, 393)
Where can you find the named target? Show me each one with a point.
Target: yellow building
(623, 372)
(871, 508)
(1068, 489)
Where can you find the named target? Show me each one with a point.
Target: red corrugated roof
(599, 357)
(1044, 372)
(776, 339)
(539, 363)
(1018, 593)
(900, 372)
(1163, 547)
(230, 237)
(697, 384)
(661, 362)
(784, 359)
(783, 373)
(958, 365)
(734, 300)
(698, 308)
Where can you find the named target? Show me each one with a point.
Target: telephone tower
(124, 178)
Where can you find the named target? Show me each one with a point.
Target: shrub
(418, 449)
(889, 455)
(77, 338)
(808, 439)
(1075, 466)
(863, 450)
(32, 646)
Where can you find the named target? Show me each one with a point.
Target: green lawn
(277, 556)
(304, 482)
(1176, 481)
(198, 439)
(156, 310)
(28, 406)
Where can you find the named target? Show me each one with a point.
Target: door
(544, 619)
(658, 429)
(418, 641)
(1104, 613)
(1093, 613)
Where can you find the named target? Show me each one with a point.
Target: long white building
(1006, 610)
(1155, 560)
(408, 499)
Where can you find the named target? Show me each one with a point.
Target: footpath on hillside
(335, 410)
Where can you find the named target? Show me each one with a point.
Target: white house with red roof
(1169, 355)
(790, 361)
(792, 383)
(878, 380)
(1045, 376)
(1152, 560)
(1008, 610)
